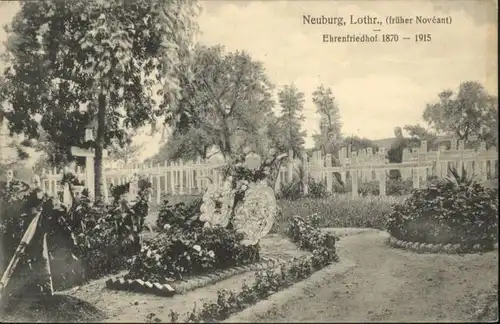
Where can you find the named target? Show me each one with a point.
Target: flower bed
(177, 252)
(220, 231)
(458, 211)
(305, 233)
(181, 214)
(302, 231)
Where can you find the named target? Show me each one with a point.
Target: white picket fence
(191, 178)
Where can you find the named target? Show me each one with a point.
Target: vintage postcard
(249, 161)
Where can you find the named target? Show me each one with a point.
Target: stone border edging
(436, 248)
(168, 290)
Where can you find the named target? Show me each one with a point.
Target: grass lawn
(340, 211)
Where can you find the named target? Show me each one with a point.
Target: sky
(377, 86)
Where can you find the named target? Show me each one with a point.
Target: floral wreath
(218, 204)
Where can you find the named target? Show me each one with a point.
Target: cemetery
(242, 211)
(216, 236)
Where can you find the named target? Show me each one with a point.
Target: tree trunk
(99, 143)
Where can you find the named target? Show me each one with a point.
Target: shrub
(369, 188)
(183, 215)
(291, 190)
(398, 187)
(342, 187)
(393, 187)
(295, 189)
(305, 233)
(317, 189)
(457, 210)
(100, 238)
(177, 252)
(17, 209)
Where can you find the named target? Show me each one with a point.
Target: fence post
(198, 175)
(158, 185)
(382, 184)
(277, 184)
(150, 197)
(181, 177)
(104, 185)
(165, 177)
(172, 177)
(329, 183)
(44, 180)
(416, 178)
(290, 166)
(66, 196)
(354, 177)
(305, 175)
(188, 177)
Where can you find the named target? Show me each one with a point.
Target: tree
(292, 104)
(188, 145)
(357, 143)
(330, 136)
(93, 62)
(469, 112)
(125, 153)
(395, 153)
(417, 134)
(224, 106)
(11, 149)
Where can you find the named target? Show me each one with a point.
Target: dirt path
(390, 285)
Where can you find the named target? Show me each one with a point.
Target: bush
(339, 211)
(453, 211)
(342, 187)
(369, 188)
(182, 215)
(317, 189)
(84, 242)
(291, 190)
(305, 233)
(177, 252)
(394, 187)
(294, 189)
(17, 209)
(398, 187)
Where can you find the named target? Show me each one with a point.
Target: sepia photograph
(249, 161)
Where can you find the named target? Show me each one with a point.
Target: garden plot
(94, 302)
(275, 250)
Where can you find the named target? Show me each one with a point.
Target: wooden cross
(89, 155)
